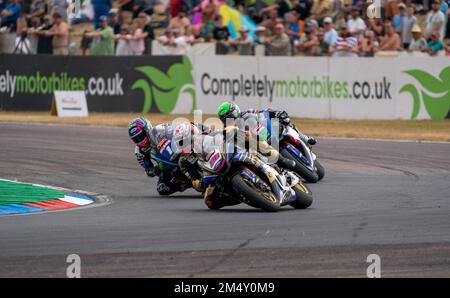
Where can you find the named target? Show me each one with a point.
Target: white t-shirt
(356, 25)
(432, 19)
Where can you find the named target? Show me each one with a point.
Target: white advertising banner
(423, 88)
(299, 86)
(367, 88)
(70, 104)
(228, 78)
(338, 88)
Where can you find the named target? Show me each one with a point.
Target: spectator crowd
(337, 28)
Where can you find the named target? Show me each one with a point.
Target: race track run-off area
(378, 197)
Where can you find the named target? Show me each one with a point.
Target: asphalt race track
(386, 198)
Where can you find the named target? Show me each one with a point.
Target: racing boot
(285, 163)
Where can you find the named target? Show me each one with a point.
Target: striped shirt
(347, 42)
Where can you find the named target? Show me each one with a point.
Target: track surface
(389, 198)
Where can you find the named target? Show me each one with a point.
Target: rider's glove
(198, 185)
(152, 172)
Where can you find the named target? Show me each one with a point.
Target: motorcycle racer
(207, 151)
(154, 153)
(231, 111)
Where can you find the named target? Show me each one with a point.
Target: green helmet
(228, 110)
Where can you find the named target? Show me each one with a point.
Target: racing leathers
(159, 159)
(264, 117)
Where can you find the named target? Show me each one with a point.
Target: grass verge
(426, 130)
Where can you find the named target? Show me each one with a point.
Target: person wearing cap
(418, 43)
(330, 35)
(103, 43)
(356, 24)
(409, 22)
(435, 44)
(244, 42)
(397, 20)
(435, 20)
(113, 22)
(345, 45)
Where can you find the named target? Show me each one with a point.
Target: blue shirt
(397, 22)
(15, 8)
(435, 46)
(444, 8)
(330, 37)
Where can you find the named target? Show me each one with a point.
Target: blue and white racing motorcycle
(294, 148)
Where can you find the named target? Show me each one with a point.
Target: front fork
(278, 182)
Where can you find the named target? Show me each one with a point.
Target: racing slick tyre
(301, 169)
(320, 170)
(303, 196)
(258, 198)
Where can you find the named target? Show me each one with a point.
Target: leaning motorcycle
(293, 147)
(250, 180)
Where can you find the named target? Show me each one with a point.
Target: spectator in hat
(244, 42)
(103, 43)
(417, 43)
(280, 44)
(261, 38)
(397, 21)
(356, 24)
(346, 45)
(409, 22)
(330, 35)
(434, 45)
(391, 41)
(435, 20)
(113, 22)
(60, 34)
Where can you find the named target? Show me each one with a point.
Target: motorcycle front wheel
(300, 168)
(258, 198)
(303, 196)
(319, 169)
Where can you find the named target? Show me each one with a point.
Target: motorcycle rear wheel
(258, 198)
